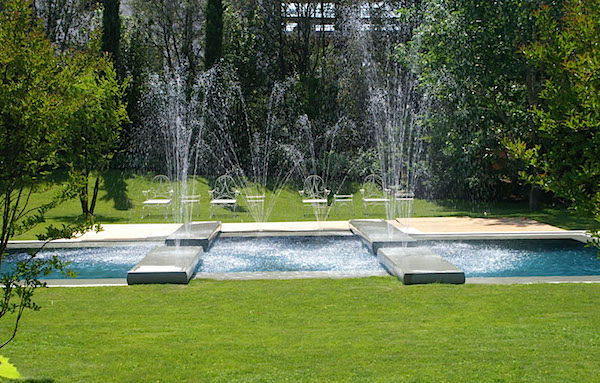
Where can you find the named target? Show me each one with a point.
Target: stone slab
(379, 233)
(166, 265)
(195, 234)
(418, 265)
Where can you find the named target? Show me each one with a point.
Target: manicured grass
(121, 197)
(370, 329)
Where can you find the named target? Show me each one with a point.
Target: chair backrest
(161, 187)
(224, 188)
(373, 187)
(314, 188)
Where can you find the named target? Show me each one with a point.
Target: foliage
(33, 113)
(566, 160)
(173, 31)
(68, 23)
(468, 60)
(7, 370)
(95, 122)
(34, 109)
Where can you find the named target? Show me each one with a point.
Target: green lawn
(121, 200)
(369, 329)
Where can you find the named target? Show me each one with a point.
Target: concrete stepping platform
(418, 265)
(379, 233)
(166, 265)
(196, 234)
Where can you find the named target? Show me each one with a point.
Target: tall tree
(98, 113)
(111, 31)
(68, 23)
(34, 110)
(33, 113)
(213, 47)
(468, 59)
(173, 31)
(566, 161)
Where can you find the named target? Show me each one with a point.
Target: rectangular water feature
(344, 254)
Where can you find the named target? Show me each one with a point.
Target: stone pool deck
(425, 225)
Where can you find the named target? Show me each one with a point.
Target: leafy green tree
(468, 59)
(97, 117)
(32, 117)
(68, 23)
(34, 110)
(566, 161)
(172, 31)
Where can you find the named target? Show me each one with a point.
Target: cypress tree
(213, 48)
(111, 37)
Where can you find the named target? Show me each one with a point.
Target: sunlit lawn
(369, 329)
(121, 200)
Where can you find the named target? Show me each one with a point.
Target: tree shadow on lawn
(99, 218)
(556, 215)
(116, 190)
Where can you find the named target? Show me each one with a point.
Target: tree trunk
(95, 195)
(83, 199)
(535, 198)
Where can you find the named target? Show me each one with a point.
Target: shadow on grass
(116, 190)
(68, 219)
(558, 215)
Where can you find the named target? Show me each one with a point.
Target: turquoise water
(341, 254)
(485, 258)
(90, 262)
(520, 258)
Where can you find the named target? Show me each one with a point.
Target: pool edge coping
(295, 275)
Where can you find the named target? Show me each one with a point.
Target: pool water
(482, 258)
(341, 254)
(90, 262)
(520, 258)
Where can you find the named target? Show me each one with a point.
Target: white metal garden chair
(224, 194)
(314, 194)
(159, 195)
(374, 193)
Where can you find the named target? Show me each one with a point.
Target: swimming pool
(519, 258)
(90, 262)
(480, 258)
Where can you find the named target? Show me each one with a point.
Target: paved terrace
(432, 225)
(427, 225)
